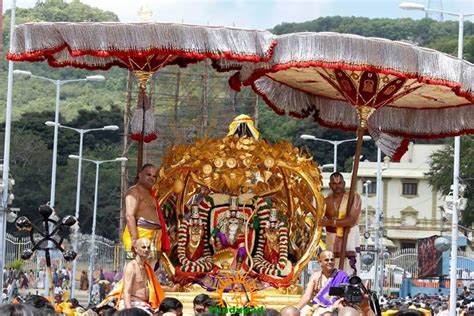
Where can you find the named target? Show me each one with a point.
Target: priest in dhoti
(336, 220)
(139, 286)
(144, 216)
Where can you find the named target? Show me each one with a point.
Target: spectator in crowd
(199, 303)
(131, 312)
(31, 279)
(290, 311)
(40, 303)
(171, 305)
(17, 310)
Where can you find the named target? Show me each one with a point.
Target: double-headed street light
(457, 154)
(58, 84)
(366, 232)
(335, 143)
(94, 216)
(78, 191)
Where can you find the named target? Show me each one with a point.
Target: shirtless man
(144, 216)
(316, 300)
(336, 220)
(139, 281)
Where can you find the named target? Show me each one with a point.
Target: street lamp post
(58, 84)
(366, 233)
(457, 153)
(49, 240)
(378, 211)
(335, 143)
(6, 146)
(94, 216)
(78, 190)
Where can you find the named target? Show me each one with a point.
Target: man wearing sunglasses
(316, 300)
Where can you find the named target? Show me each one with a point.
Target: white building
(411, 209)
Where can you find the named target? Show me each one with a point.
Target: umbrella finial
(143, 78)
(364, 112)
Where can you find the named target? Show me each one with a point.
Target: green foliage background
(86, 105)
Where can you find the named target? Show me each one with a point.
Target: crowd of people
(424, 304)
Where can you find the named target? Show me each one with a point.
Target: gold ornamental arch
(285, 176)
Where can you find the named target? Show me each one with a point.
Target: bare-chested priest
(144, 216)
(336, 220)
(141, 288)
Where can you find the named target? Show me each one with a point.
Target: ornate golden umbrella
(143, 48)
(393, 90)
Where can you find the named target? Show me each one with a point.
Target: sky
(261, 14)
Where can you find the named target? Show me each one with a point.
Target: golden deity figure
(193, 250)
(271, 258)
(229, 234)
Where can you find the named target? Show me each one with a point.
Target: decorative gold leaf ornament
(231, 163)
(207, 169)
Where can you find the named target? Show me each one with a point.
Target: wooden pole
(358, 150)
(255, 111)
(175, 106)
(205, 101)
(124, 169)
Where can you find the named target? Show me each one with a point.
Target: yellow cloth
(342, 213)
(156, 293)
(243, 119)
(424, 311)
(154, 235)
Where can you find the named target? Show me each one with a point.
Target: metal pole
(454, 231)
(335, 156)
(55, 145)
(94, 221)
(6, 149)
(378, 206)
(78, 205)
(366, 208)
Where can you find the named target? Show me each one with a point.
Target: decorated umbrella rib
(143, 48)
(394, 90)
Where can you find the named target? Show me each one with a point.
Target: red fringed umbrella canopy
(394, 90)
(143, 48)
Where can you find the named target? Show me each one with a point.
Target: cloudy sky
(259, 14)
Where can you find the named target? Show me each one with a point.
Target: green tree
(441, 173)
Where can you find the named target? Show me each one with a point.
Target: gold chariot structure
(241, 209)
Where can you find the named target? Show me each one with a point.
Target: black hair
(200, 299)
(109, 311)
(170, 303)
(146, 166)
(336, 174)
(131, 312)
(39, 302)
(17, 310)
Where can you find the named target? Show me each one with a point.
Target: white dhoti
(138, 304)
(308, 310)
(334, 244)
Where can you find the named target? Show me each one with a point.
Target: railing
(404, 264)
(108, 254)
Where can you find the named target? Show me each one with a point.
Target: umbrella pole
(364, 114)
(143, 103)
(140, 156)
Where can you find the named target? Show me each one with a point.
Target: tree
(441, 173)
(30, 166)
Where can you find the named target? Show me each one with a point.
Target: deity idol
(229, 234)
(193, 251)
